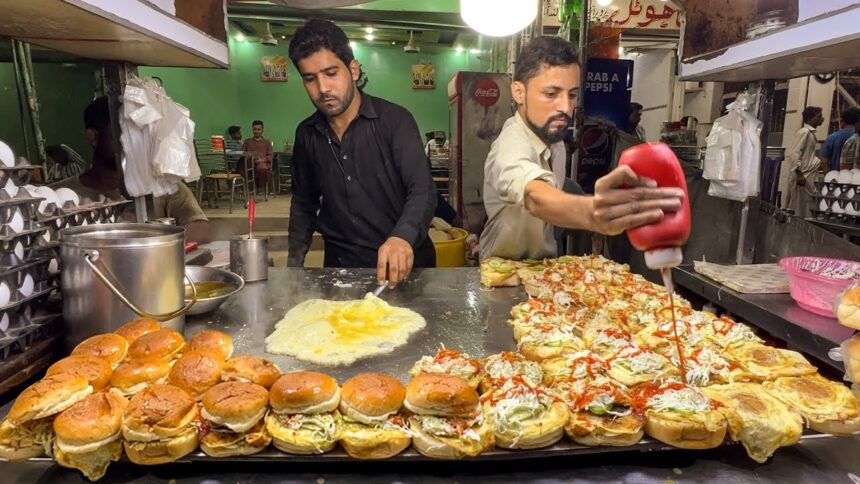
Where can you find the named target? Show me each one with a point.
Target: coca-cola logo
(486, 92)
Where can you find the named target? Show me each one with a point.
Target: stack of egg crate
(837, 198)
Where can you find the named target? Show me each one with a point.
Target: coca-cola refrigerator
(479, 103)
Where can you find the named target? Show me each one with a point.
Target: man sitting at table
(263, 154)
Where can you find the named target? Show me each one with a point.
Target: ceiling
(435, 24)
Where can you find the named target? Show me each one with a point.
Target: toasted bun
(96, 370)
(706, 432)
(236, 405)
(197, 371)
(848, 309)
(137, 328)
(164, 343)
(451, 448)
(222, 444)
(301, 441)
(94, 419)
(593, 430)
(109, 346)
(844, 428)
(537, 432)
(49, 396)
(92, 464)
(304, 392)
(162, 451)
(20, 454)
(441, 395)
(368, 443)
(158, 412)
(212, 340)
(371, 397)
(851, 358)
(132, 376)
(251, 369)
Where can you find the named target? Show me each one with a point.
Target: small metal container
(199, 274)
(249, 258)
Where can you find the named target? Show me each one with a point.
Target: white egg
(47, 236)
(850, 210)
(19, 250)
(7, 157)
(53, 266)
(67, 195)
(837, 208)
(855, 170)
(836, 192)
(5, 294)
(27, 286)
(17, 222)
(831, 176)
(849, 193)
(844, 176)
(4, 323)
(823, 205)
(824, 190)
(855, 178)
(49, 197)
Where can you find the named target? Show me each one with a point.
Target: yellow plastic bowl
(452, 253)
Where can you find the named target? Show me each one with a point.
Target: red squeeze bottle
(662, 240)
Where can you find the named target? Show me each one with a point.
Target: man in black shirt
(359, 161)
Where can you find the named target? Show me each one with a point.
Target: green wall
(63, 93)
(219, 98)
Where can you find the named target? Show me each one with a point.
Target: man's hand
(617, 209)
(394, 261)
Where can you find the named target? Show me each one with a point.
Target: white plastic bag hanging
(732, 159)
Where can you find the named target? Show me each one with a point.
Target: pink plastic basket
(815, 282)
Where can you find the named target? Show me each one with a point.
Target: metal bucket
(114, 273)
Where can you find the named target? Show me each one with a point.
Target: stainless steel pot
(114, 273)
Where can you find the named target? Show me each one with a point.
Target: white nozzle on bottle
(663, 257)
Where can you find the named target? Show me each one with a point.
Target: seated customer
(102, 178)
(234, 138)
(263, 154)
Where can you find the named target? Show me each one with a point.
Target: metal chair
(213, 166)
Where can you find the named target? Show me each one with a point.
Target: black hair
(851, 116)
(97, 114)
(810, 111)
(550, 50)
(317, 34)
(58, 154)
(634, 106)
(233, 129)
(257, 122)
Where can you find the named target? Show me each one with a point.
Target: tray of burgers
(596, 369)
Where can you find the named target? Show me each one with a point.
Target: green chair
(214, 170)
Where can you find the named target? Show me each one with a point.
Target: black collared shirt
(373, 184)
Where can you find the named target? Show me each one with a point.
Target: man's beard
(547, 133)
(339, 107)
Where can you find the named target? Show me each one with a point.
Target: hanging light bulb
(498, 18)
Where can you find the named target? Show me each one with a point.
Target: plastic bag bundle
(157, 137)
(732, 158)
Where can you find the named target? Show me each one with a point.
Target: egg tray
(832, 186)
(20, 174)
(71, 216)
(28, 330)
(41, 289)
(836, 217)
(36, 268)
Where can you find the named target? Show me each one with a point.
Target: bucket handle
(90, 256)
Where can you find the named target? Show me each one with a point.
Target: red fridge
(479, 103)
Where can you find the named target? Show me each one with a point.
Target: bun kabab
(96, 370)
(231, 420)
(89, 434)
(767, 363)
(110, 347)
(251, 369)
(133, 375)
(136, 328)
(680, 415)
(27, 431)
(829, 407)
(372, 425)
(165, 344)
(304, 417)
(506, 365)
(524, 416)
(197, 371)
(159, 425)
(448, 421)
(450, 362)
(216, 341)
